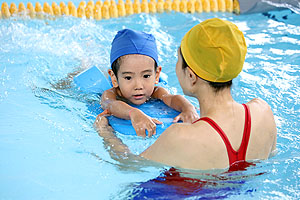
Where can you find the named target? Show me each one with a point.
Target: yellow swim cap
(215, 50)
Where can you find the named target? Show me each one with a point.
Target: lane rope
(110, 9)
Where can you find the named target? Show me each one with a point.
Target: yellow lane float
(110, 9)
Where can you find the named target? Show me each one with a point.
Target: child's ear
(113, 78)
(158, 70)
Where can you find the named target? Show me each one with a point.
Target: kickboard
(92, 80)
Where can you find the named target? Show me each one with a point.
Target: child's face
(137, 78)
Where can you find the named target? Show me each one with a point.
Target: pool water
(49, 149)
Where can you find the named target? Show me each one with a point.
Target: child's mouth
(138, 96)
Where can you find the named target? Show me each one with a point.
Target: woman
(211, 54)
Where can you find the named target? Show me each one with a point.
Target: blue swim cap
(133, 42)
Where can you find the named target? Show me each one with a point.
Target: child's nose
(138, 85)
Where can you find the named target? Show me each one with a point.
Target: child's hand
(142, 122)
(188, 116)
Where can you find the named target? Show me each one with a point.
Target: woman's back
(200, 146)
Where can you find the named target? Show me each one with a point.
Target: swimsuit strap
(233, 155)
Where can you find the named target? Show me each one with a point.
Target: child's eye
(127, 78)
(147, 76)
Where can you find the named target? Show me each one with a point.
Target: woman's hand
(101, 123)
(142, 122)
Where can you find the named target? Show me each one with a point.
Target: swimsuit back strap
(246, 135)
(233, 155)
(230, 151)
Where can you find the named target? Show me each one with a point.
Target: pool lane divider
(110, 9)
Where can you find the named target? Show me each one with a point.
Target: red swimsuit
(233, 155)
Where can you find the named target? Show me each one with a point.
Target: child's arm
(179, 103)
(120, 109)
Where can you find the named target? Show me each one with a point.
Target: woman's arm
(117, 149)
(267, 121)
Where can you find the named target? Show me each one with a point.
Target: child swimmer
(134, 73)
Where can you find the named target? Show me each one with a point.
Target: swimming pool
(49, 149)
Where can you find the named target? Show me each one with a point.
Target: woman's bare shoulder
(258, 101)
(262, 114)
(179, 132)
(260, 105)
(173, 136)
(177, 129)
